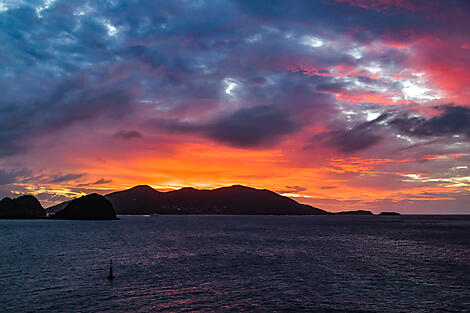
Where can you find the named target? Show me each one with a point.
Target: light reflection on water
(237, 263)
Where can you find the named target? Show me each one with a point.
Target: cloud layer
(340, 99)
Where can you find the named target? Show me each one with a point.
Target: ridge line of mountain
(235, 199)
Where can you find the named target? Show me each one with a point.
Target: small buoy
(110, 276)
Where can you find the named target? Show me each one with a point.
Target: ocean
(237, 264)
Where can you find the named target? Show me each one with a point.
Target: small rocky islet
(22, 207)
(90, 207)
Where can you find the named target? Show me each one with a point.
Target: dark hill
(227, 200)
(23, 207)
(90, 207)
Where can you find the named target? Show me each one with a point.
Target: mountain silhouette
(89, 207)
(235, 200)
(137, 200)
(26, 207)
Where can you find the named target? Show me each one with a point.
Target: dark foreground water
(237, 263)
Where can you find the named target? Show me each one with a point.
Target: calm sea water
(237, 263)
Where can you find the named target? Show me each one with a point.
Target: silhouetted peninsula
(237, 200)
(89, 207)
(390, 214)
(358, 212)
(23, 207)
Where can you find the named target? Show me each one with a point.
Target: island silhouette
(235, 200)
(89, 207)
(23, 207)
(144, 200)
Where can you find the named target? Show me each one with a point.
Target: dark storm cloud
(166, 50)
(74, 62)
(359, 137)
(452, 120)
(258, 126)
(128, 134)
(252, 127)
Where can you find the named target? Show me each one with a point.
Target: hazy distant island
(367, 213)
(389, 214)
(143, 200)
(357, 212)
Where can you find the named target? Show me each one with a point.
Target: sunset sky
(346, 104)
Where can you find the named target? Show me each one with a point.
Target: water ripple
(237, 264)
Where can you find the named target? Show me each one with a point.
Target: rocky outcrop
(90, 207)
(23, 207)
